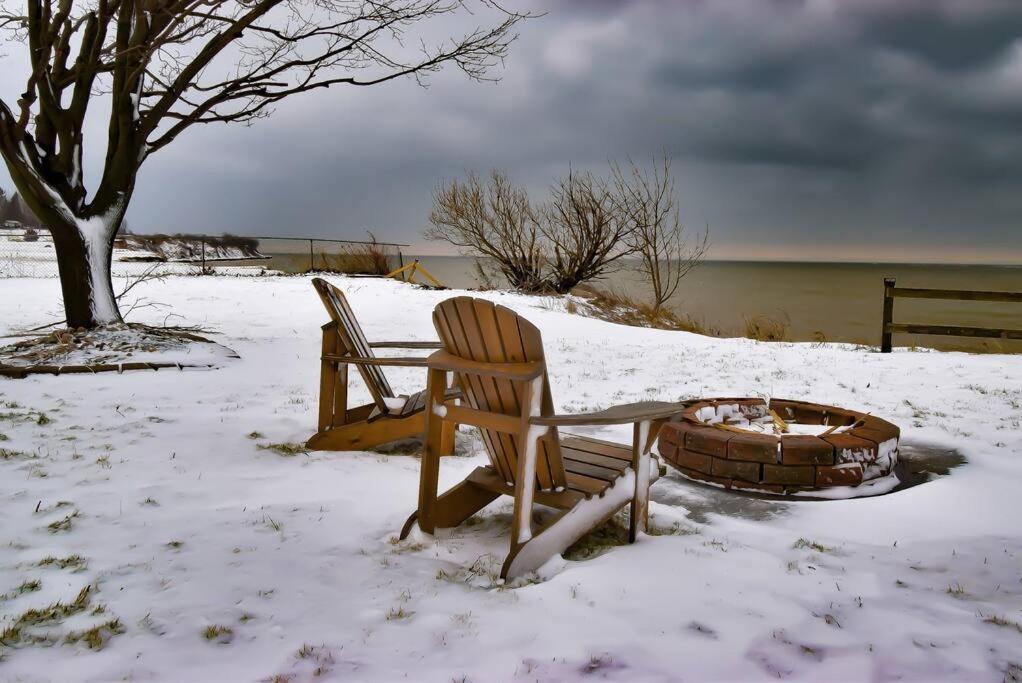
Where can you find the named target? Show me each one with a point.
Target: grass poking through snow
(64, 524)
(218, 633)
(73, 562)
(25, 587)
(1001, 621)
(806, 544)
(288, 450)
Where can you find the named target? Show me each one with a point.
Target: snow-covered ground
(158, 491)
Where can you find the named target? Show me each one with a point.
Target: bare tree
(495, 220)
(166, 65)
(648, 204)
(584, 231)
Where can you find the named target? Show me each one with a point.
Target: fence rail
(892, 292)
(26, 253)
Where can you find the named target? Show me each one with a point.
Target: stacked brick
(862, 448)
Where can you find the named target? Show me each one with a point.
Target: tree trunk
(83, 237)
(84, 251)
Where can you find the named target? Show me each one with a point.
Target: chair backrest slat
(353, 340)
(478, 330)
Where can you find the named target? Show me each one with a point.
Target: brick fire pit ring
(780, 447)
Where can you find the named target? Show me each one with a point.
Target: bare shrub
(581, 233)
(584, 232)
(493, 219)
(574, 237)
(648, 206)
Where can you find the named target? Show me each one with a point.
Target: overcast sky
(841, 129)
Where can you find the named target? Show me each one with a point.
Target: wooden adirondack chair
(388, 417)
(497, 360)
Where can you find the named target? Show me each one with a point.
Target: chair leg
(327, 382)
(429, 476)
(456, 505)
(638, 511)
(447, 432)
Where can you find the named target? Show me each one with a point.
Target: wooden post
(885, 333)
(202, 245)
(312, 262)
(401, 262)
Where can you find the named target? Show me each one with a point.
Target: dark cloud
(822, 122)
(945, 38)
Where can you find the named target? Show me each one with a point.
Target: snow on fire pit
(782, 447)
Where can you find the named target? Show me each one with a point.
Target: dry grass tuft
(25, 587)
(368, 258)
(74, 562)
(806, 544)
(97, 636)
(619, 308)
(288, 450)
(218, 633)
(23, 630)
(1001, 621)
(767, 329)
(63, 524)
(676, 529)
(609, 535)
(399, 613)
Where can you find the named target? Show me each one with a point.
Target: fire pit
(779, 447)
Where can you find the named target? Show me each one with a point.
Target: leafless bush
(579, 234)
(494, 219)
(584, 232)
(574, 237)
(648, 206)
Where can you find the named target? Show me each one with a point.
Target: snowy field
(223, 560)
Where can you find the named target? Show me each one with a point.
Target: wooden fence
(890, 327)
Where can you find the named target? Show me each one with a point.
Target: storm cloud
(817, 127)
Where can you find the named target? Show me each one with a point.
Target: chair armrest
(441, 360)
(359, 360)
(628, 413)
(406, 345)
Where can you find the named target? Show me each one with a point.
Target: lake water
(817, 301)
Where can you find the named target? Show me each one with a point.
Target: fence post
(202, 245)
(401, 261)
(312, 260)
(885, 334)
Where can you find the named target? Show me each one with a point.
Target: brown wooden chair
(497, 360)
(389, 417)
